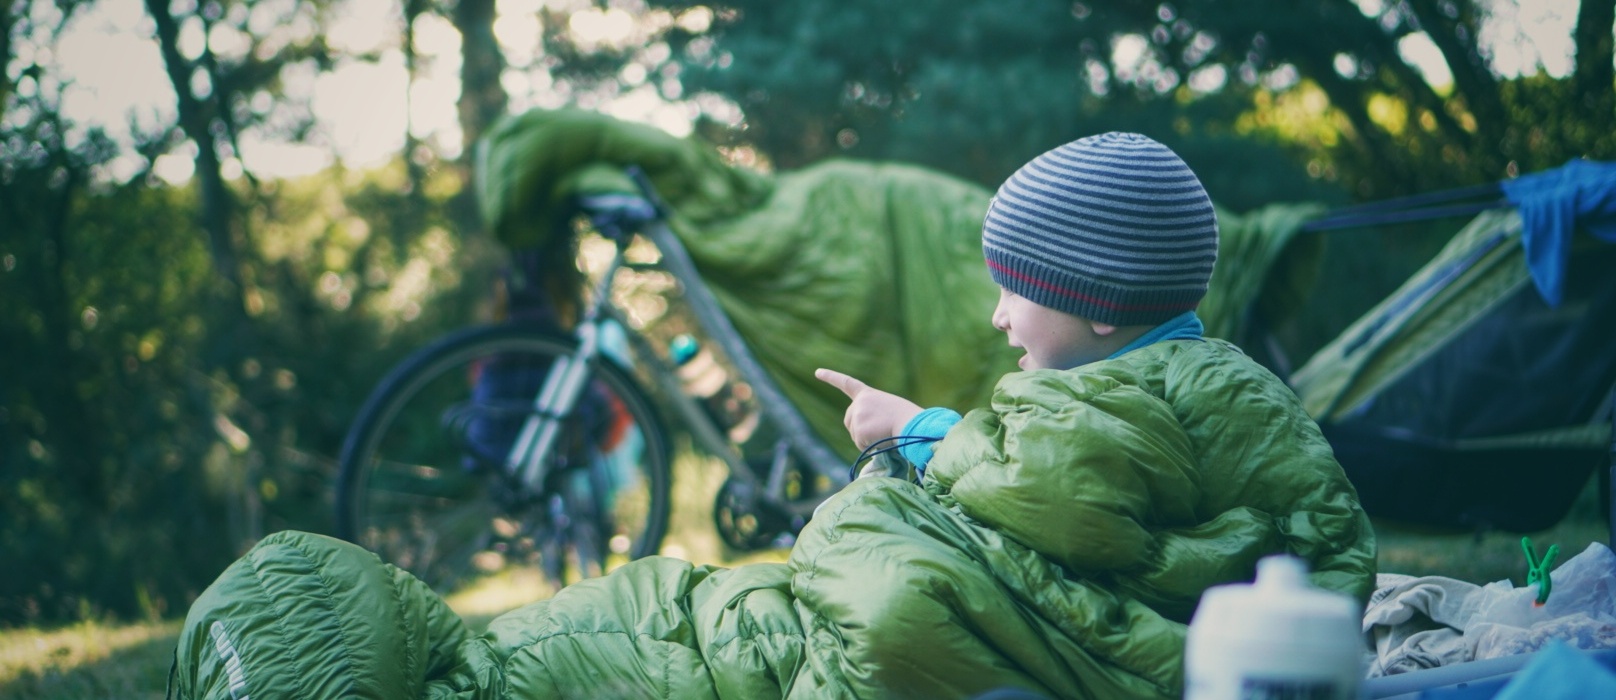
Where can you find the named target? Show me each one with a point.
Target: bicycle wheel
(422, 480)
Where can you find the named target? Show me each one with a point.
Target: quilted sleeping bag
(1058, 543)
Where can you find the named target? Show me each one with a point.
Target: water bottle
(1279, 638)
(704, 378)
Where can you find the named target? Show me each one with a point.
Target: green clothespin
(1538, 571)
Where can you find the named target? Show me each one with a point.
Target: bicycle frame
(567, 379)
(797, 438)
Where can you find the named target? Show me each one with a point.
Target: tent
(1479, 394)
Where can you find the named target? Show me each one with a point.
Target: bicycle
(566, 457)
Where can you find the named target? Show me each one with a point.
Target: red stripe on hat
(1081, 296)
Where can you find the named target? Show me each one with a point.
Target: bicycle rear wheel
(422, 480)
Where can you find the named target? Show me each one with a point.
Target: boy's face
(1053, 339)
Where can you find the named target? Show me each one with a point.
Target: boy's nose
(1000, 319)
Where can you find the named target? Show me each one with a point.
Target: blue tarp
(1552, 204)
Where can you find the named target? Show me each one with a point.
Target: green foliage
(181, 363)
(154, 419)
(976, 88)
(970, 88)
(1547, 126)
(105, 313)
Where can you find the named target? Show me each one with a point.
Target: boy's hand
(874, 414)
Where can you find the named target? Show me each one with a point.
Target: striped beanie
(1113, 228)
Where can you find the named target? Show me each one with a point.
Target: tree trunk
(238, 336)
(218, 205)
(8, 22)
(416, 173)
(1376, 144)
(1423, 96)
(1317, 61)
(67, 419)
(482, 97)
(1595, 79)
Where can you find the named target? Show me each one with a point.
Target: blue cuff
(931, 423)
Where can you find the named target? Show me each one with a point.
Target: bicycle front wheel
(423, 480)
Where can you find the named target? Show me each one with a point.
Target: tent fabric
(1263, 267)
(1472, 274)
(1495, 422)
(1481, 272)
(873, 269)
(1553, 204)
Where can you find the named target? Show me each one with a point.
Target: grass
(1485, 557)
(87, 660)
(107, 660)
(94, 660)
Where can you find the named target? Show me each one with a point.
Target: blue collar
(1185, 326)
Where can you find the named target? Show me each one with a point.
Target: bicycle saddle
(616, 214)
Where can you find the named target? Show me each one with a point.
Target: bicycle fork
(558, 397)
(563, 385)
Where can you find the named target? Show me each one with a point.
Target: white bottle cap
(1277, 637)
(1281, 606)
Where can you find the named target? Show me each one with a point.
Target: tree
(1596, 61)
(976, 87)
(9, 19)
(101, 311)
(184, 359)
(482, 98)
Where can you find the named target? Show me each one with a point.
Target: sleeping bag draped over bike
(869, 268)
(1058, 543)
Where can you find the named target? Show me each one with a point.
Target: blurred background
(222, 220)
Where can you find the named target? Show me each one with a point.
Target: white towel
(1429, 621)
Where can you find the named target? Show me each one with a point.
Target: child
(1102, 248)
(1056, 542)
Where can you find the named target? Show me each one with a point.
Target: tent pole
(1610, 484)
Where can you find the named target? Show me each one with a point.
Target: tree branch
(1473, 79)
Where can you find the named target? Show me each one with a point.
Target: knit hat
(1113, 228)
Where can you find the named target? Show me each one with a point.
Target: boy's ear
(1102, 329)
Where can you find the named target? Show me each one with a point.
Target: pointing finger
(848, 385)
